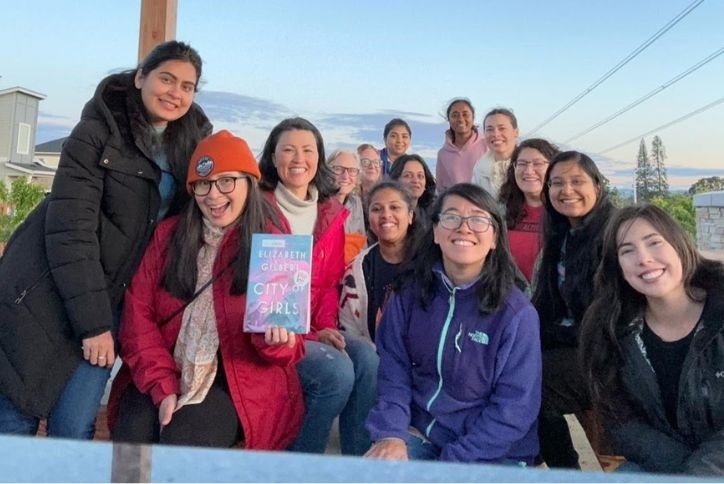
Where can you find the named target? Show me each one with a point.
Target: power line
(649, 95)
(622, 63)
(664, 126)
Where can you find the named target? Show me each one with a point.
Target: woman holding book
(191, 376)
(653, 345)
(300, 186)
(460, 363)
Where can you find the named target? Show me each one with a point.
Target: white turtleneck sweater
(301, 214)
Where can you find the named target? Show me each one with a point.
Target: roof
(34, 168)
(52, 146)
(23, 90)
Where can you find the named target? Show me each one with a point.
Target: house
(18, 123)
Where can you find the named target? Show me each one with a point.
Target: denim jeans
(353, 436)
(327, 377)
(74, 414)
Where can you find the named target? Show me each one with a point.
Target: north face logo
(478, 337)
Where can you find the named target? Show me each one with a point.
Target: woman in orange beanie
(198, 379)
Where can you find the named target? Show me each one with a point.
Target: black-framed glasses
(367, 162)
(453, 221)
(338, 170)
(224, 184)
(523, 164)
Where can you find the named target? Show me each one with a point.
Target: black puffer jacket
(65, 269)
(639, 426)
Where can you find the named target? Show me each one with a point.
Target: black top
(379, 276)
(667, 359)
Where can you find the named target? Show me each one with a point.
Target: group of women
(425, 342)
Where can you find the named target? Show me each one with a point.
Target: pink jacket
(455, 165)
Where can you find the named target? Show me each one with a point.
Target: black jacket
(639, 426)
(584, 245)
(65, 269)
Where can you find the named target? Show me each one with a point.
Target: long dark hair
(510, 195)
(499, 271)
(414, 231)
(428, 195)
(616, 304)
(548, 296)
(323, 180)
(180, 136)
(180, 274)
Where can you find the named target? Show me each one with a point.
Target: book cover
(279, 287)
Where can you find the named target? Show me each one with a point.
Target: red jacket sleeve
(143, 346)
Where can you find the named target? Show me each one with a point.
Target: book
(280, 277)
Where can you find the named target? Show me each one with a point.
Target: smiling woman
(576, 210)
(66, 269)
(478, 400)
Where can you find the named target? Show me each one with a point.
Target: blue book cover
(279, 287)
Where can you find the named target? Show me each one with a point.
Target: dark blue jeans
(337, 384)
(74, 414)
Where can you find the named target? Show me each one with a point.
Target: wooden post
(158, 24)
(131, 463)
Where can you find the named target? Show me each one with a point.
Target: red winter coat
(262, 379)
(327, 260)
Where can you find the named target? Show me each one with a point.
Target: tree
(644, 175)
(658, 169)
(710, 184)
(681, 207)
(19, 200)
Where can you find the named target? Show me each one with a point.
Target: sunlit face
(371, 166)
(389, 216)
(346, 164)
(296, 159)
(397, 142)
(530, 171)
(648, 262)
(572, 191)
(462, 249)
(167, 91)
(461, 119)
(500, 135)
(413, 179)
(223, 209)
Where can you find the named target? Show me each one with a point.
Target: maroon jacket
(327, 260)
(262, 379)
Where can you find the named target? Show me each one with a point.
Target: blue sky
(351, 66)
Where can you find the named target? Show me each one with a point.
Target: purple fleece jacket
(470, 383)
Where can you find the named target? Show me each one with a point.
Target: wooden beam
(158, 24)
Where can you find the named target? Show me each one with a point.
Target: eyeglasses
(338, 170)
(558, 184)
(225, 184)
(367, 163)
(453, 221)
(523, 164)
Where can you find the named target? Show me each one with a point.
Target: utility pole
(158, 24)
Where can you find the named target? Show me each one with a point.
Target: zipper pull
(22, 295)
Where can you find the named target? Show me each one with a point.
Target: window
(23, 139)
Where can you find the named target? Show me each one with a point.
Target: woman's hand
(165, 410)
(276, 335)
(100, 350)
(388, 449)
(332, 337)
